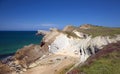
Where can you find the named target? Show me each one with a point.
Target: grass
(109, 65)
(100, 31)
(69, 34)
(94, 31)
(107, 61)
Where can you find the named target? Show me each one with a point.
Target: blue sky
(43, 14)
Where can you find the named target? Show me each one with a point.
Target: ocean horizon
(11, 41)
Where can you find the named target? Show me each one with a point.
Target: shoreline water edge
(11, 41)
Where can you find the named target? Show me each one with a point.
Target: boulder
(42, 32)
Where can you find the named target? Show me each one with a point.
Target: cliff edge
(60, 49)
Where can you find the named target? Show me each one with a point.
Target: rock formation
(23, 59)
(42, 32)
(105, 61)
(69, 42)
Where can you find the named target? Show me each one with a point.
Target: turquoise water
(11, 41)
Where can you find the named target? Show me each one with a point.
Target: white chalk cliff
(59, 49)
(79, 47)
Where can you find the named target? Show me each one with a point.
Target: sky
(44, 14)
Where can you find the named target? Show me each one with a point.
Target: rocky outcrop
(23, 59)
(68, 42)
(29, 54)
(4, 69)
(71, 42)
(105, 58)
(42, 32)
(81, 47)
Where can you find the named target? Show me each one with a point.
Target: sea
(11, 41)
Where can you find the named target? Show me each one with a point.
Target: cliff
(60, 49)
(22, 59)
(106, 61)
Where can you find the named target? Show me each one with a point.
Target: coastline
(58, 51)
(3, 56)
(11, 41)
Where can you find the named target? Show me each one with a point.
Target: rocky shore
(22, 59)
(57, 50)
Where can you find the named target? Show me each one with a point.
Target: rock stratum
(60, 50)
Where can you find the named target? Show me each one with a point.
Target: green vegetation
(109, 64)
(71, 34)
(69, 28)
(100, 31)
(105, 62)
(92, 30)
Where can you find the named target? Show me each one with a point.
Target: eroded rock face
(22, 60)
(28, 54)
(58, 43)
(4, 69)
(64, 46)
(104, 53)
(42, 32)
(81, 47)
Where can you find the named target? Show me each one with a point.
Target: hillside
(60, 51)
(106, 61)
(94, 30)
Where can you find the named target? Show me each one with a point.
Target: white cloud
(48, 25)
(45, 26)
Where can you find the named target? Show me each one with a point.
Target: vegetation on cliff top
(106, 61)
(93, 30)
(100, 31)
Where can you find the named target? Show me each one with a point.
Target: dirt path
(52, 65)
